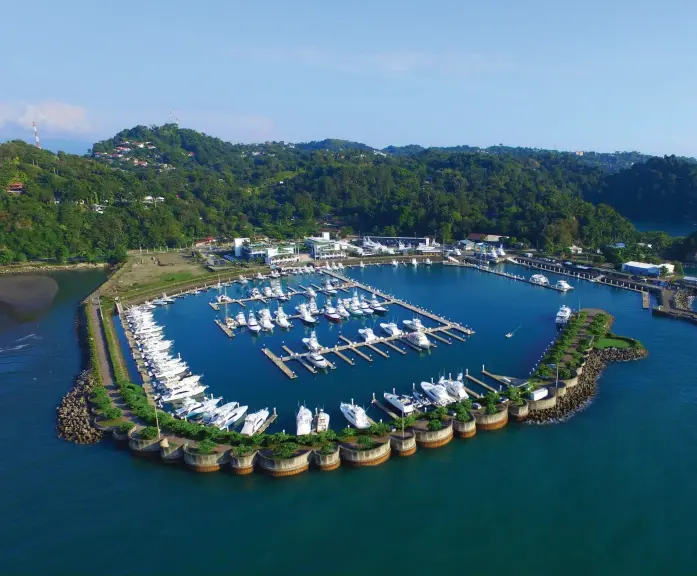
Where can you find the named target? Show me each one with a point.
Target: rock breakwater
(75, 422)
(581, 395)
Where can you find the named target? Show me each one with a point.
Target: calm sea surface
(609, 491)
(670, 228)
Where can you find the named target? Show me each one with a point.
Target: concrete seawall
(550, 401)
(326, 462)
(403, 445)
(278, 467)
(519, 413)
(465, 429)
(434, 438)
(371, 457)
(171, 453)
(491, 421)
(242, 465)
(141, 447)
(205, 462)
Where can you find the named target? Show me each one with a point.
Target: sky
(599, 75)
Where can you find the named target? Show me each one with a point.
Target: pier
(377, 350)
(353, 346)
(270, 420)
(645, 300)
(279, 363)
(224, 328)
(479, 382)
(440, 338)
(343, 357)
(503, 274)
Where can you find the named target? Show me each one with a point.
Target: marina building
(324, 248)
(645, 269)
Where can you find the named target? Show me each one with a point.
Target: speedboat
(436, 393)
(391, 329)
(311, 343)
(265, 320)
(282, 319)
(355, 415)
(322, 421)
(395, 263)
(367, 334)
(305, 315)
(563, 315)
(365, 307)
(414, 325)
(254, 421)
(403, 403)
(240, 319)
(361, 265)
(376, 306)
(419, 339)
(303, 422)
(316, 359)
(563, 285)
(330, 312)
(454, 388)
(414, 263)
(233, 417)
(539, 279)
(341, 309)
(252, 323)
(428, 262)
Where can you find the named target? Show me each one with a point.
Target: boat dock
(384, 408)
(378, 351)
(353, 346)
(224, 328)
(440, 338)
(279, 363)
(395, 348)
(503, 274)
(645, 300)
(343, 357)
(479, 382)
(270, 420)
(505, 380)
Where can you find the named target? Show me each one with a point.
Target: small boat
(539, 279)
(511, 334)
(310, 293)
(415, 325)
(252, 323)
(275, 274)
(563, 315)
(376, 306)
(305, 315)
(341, 309)
(311, 343)
(303, 422)
(240, 319)
(428, 262)
(259, 276)
(365, 307)
(243, 280)
(419, 339)
(355, 415)
(436, 393)
(282, 319)
(322, 421)
(404, 404)
(361, 265)
(330, 312)
(312, 307)
(328, 287)
(395, 263)
(267, 292)
(391, 329)
(223, 299)
(316, 359)
(367, 334)
(414, 263)
(254, 293)
(253, 422)
(265, 320)
(233, 417)
(563, 285)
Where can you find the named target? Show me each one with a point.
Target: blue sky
(594, 75)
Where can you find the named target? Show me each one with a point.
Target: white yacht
(265, 320)
(305, 315)
(223, 299)
(361, 265)
(240, 319)
(252, 323)
(267, 292)
(454, 388)
(278, 292)
(254, 293)
(403, 403)
(563, 285)
(254, 421)
(367, 334)
(259, 276)
(391, 329)
(355, 415)
(310, 293)
(311, 343)
(274, 274)
(354, 308)
(312, 307)
(419, 339)
(330, 313)
(414, 325)
(563, 315)
(414, 263)
(207, 405)
(365, 307)
(376, 306)
(341, 309)
(217, 416)
(428, 262)
(436, 393)
(317, 360)
(282, 319)
(233, 417)
(395, 263)
(184, 393)
(328, 287)
(539, 279)
(187, 406)
(322, 421)
(303, 422)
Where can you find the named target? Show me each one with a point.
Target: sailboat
(511, 334)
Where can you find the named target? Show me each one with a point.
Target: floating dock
(270, 420)
(224, 328)
(377, 350)
(279, 363)
(645, 300)
(503, 274)
(479, 382)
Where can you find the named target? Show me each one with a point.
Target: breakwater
(75, 422)
(580, 390)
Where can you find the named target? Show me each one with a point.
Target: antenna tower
(36, 135)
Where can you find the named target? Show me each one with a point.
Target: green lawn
(611, 343)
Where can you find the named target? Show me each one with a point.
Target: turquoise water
(609, 491)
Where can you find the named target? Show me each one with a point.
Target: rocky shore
(581, 395)
(75, 422)
(683, 300)
(48, 267)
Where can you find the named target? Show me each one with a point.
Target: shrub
(285, 450)
(365, 442)
(126, 427)
(205, 447)
(112, 413)
(462, 416)
(242, 450)
(328, 449)
(148, 433)
(379, 429)
(434, 425)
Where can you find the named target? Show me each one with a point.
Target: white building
(644, 269)
(575, 249)
(238, 243)
(324, 248)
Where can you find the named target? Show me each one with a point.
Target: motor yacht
(367, 334)
(563, 285)
(207, 405)
(187, 406)
(259, 276)
(454, 388)
(376, 306)
(311, 343)
(278, 292)
(223, 299)
(391, 329)
(312, 307)
(414, 263)
(218, 415)
(243, 280)
(328, 287)
(428, 262)
(539, 279)
(282, 319)
(403, 403)
(303, 422)
(365, 307)
(265, 320)
(275, 274)
(341, 309)
(253, 422)
(395, 263)
(436, 393)
(240, 319)
(563, 315)
(305, 315)
(233, 417)
(321, 421)
(182, 393)
(330, 312)
(414, 325)
(267, 292)
(419, 339)
(252, 324)
(420, 400)
(317, 360)
(355, 415)
(254, 293)
(310, 293)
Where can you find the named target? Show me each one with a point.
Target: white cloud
(51, 117)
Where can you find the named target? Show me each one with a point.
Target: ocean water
(670, 228)
(608, 491)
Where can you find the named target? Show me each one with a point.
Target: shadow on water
(24, 298)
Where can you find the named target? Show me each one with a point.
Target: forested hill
(166, 185)
(661, 189)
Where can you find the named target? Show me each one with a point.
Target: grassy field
(611, 343)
